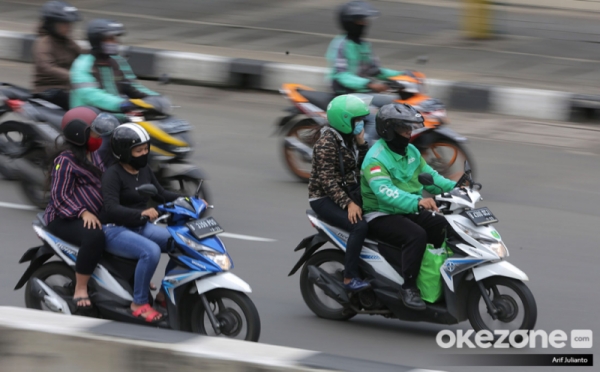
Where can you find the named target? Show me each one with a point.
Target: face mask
(399, 144)
(94, 144)
(139, 162)
(358, 127)
(356, 32)
(110, 49)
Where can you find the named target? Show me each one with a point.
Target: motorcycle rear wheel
(305, 131)
(65, 286)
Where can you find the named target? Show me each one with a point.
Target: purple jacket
(74, 189)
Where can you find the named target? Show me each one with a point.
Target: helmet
(396, 117)
(342, 109)
(98, 29)
(354, 11)
(77, 123)
(58, 11)
(126, 137)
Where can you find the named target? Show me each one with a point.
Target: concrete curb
(35, 340)
(203, 69)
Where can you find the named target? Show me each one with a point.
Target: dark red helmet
(77, 123)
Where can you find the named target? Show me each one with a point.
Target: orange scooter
(442, 148)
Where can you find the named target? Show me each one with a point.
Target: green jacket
(389, 183)
(351, 65)
(99, 83)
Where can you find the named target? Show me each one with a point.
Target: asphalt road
(546, 198)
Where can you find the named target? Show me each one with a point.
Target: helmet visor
(104, 124)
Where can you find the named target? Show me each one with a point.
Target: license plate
(204, 227)
(481, 216)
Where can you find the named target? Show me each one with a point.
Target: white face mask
(110, 49)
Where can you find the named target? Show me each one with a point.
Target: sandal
(82, 307)
(148, 314)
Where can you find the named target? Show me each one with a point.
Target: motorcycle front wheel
(448, 157)
(235, 312)
(306, 132)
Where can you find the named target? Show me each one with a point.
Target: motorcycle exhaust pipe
(51, 299)
(328, 284)
(303, 149)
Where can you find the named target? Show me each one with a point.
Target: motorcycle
(478, 283)
(27, 139)
(202, 295)
(441, 147)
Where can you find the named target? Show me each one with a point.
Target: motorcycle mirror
(164, 79)
(467, 167)
(426, 179)
(147, 189)
(197, 193)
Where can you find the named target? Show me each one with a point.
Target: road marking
(224, 235)
(246, 237)
(18, 206)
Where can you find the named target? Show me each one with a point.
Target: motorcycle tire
(311, 298)
(306, 132)
(43, 273)
(453, 168)
(507, 305)
(228, 317)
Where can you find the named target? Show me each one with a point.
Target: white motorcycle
(478, 283)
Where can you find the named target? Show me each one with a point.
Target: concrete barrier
(202, 69)
(32, 340)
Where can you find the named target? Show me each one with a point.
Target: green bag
(429, 280)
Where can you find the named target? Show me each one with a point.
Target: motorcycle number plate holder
(204, 227)
(481, 216)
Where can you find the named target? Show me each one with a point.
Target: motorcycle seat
(40, 217)
(319, 99)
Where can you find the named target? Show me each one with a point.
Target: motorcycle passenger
(392, 196)
(342, 142)
(54, 52)
(75, 195)
(353, 66)
(103, 78)
(128, 234)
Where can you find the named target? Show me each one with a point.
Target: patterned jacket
(326, 177)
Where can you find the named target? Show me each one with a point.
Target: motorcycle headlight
(495, 245)
(222, 260)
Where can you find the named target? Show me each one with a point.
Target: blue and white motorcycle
(479, 285)
(202, 295)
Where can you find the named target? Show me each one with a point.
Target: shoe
(357, 285)
(412, 298)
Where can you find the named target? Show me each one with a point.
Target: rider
(54, 52)
(353, 66)
(393, 203)
(128, 234)
(75, 196)
(103, 78)
(343, 139)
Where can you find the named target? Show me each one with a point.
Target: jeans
(144, 244)
(409, 235)
(332, 213)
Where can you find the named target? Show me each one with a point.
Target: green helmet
(342, 109)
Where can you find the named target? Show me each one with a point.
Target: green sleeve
(129, 75)
(441, 181)
(341, 59)
(386, 73)
(380, 182)
(87, 89)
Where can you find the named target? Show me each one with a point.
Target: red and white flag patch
(375, 170)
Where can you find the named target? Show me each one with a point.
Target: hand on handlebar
(127, 106)
(428, 204)
(150, 213)
(378, 87)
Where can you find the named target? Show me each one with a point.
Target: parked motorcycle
(202, 295)
(30, 133)
(442, 148)
(479, 285)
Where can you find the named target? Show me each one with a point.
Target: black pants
(411, 232)
(90, 242)
(333, 214)
(57, 96)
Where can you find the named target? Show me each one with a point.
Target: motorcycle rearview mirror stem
(426, 179)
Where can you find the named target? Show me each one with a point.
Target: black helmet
(98, 29)
(58, 11)
(126, 137)
(355, 10)
(396, 116)
(77, 123)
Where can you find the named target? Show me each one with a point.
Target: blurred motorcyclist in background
(353, 65)
(103, 78)
(54, 52)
